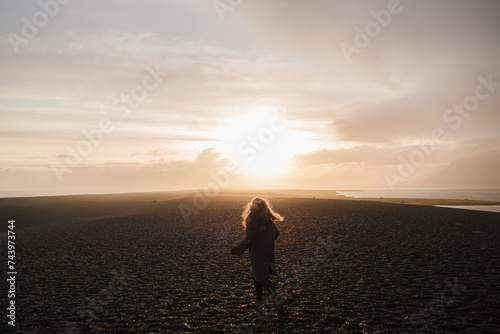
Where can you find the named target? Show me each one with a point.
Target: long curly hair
(258, 213)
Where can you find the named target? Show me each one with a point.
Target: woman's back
(262, 247)
(260, 233)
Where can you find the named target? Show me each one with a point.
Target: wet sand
(132, 263)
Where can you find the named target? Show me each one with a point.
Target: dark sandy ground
(132, 263)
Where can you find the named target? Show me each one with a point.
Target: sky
(149, 95)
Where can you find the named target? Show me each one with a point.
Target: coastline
(489, 208)
(292, 193)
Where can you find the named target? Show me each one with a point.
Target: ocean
(481, 194)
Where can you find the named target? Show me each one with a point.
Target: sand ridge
(133, 264)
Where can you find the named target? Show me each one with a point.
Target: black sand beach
(132, 263)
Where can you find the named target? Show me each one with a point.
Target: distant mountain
(481, 171)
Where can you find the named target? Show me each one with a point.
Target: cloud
(355, 118)
(157, 174)
(478, 171)
(408, 75)
(366, 155)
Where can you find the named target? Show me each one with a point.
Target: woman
(258, 221)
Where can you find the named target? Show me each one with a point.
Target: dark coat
(261, 251)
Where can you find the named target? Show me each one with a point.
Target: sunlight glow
(262, 141)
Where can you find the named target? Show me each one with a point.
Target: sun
(261, 141)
